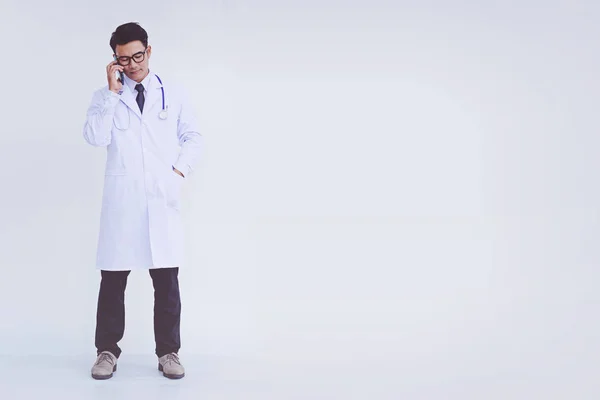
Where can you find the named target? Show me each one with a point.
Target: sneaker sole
(103, 377)
(170, 376)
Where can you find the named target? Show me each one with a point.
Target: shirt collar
(131, 83)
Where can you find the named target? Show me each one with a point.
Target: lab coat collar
(149, 81)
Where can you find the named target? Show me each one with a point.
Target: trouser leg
(167, 310)
(110, 316)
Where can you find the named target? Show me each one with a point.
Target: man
(152, 143)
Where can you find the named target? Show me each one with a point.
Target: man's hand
(178, 172)
(114, 84)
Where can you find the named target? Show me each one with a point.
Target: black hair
(126, 33)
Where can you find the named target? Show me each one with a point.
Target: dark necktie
(140, 96)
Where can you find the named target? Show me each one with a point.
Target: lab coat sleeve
(100, 114)
(190, 138)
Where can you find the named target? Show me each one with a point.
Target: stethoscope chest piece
(163, 115)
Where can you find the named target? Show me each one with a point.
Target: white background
(397, 200)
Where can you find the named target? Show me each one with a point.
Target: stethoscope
(164, 113)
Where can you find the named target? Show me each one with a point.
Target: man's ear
(149, 51)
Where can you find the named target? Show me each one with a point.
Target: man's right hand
(114, 84)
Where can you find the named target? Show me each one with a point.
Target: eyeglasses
(137, 57)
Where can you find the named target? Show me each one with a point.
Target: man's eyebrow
(141, 51)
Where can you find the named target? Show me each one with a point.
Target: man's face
(135, 70)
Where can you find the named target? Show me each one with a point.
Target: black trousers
(110, 317)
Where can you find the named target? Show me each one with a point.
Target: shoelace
(105, 357)
(173, 357)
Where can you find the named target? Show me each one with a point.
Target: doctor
(152, 143)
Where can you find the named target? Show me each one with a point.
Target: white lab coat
(140, 220)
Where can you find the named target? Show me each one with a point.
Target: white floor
(137, 377)
(207, 377)
(214, 378)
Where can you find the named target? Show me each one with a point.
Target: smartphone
(121, 74)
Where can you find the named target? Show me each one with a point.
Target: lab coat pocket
(174, 196)
(114, 172)
(114, 161)
(121, 119)
(114, 192)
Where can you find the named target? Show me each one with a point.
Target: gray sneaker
(105, 365)
(170, 366)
